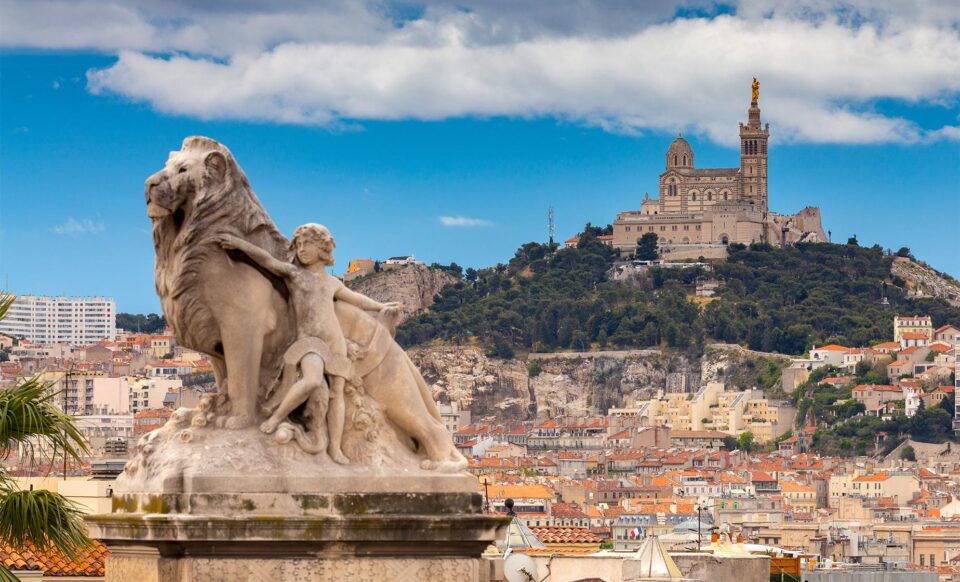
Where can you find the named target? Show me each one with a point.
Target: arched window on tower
(693, 195)
(684, 160)
(674, 159)
(725, 195)
(709, 195)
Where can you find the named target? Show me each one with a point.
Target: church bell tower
(753, 155)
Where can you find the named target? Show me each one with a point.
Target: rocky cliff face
(925, 282)
(572, 384)
(413, 285)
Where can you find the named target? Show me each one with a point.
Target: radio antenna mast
(552, 228)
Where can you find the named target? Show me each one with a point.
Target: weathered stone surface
(922, 281)
(381, 544)
(414, 286)
(194, 569)
(288, 343)
(575, 384)
(571, 384)
(253, 484)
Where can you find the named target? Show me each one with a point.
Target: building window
(684, 160)
(725, 194)
(693, 196)
(628, 229)
(663, 228)
(674, 160)
(709, 195)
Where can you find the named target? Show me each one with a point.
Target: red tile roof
(557, 534)
(876, 388)
(53, 562)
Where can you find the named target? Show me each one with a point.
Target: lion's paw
(237, 422)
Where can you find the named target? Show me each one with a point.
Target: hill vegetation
(151, 323)
(772, 300)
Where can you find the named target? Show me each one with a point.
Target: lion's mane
(183, 243)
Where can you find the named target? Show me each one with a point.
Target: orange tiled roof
(53, 562)
(913, 335)
(558, 534)
(874, 477)
(832, 348)
(876, 387)
(566, 510)
(520, 492)
(887, 346)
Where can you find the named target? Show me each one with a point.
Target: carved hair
(225, 198)
(310, 230)
(222, 201)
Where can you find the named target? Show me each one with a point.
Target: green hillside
(775, 300)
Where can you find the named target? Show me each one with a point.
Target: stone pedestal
(297, 537)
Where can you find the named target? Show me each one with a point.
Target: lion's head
(202, 165)
(202, 188)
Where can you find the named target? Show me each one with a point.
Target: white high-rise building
(79, 321)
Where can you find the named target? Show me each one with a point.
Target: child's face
(312, 249)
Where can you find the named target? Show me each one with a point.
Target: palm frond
(6, 300)
(6, 575)
(43, 518)
(28, 415)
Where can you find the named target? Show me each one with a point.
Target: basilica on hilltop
(699, 210)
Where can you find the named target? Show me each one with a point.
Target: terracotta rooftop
(887, 346)
(556, 534)
(566, 510)
(876, 388)
(53, 562)
(881, 476)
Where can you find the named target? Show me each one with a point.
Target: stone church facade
(702, 208)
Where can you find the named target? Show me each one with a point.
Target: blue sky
(381, 154)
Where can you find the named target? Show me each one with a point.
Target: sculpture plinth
(348, 536)
(323, 455)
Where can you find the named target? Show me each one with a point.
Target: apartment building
(78, 321)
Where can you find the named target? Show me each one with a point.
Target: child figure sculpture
(312, 293)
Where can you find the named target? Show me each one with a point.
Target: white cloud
(74, 227)
(947, 132)
(463, 221)
(624, 67)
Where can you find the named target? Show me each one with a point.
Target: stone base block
(145, 564)
(371, 537)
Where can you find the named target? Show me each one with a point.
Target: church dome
(680, 154)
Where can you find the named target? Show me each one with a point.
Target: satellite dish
(519, 567)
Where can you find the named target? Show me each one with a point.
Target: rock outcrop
(574, 384)
(413, 285)
(922, 281)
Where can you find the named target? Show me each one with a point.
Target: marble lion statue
(223, 304)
